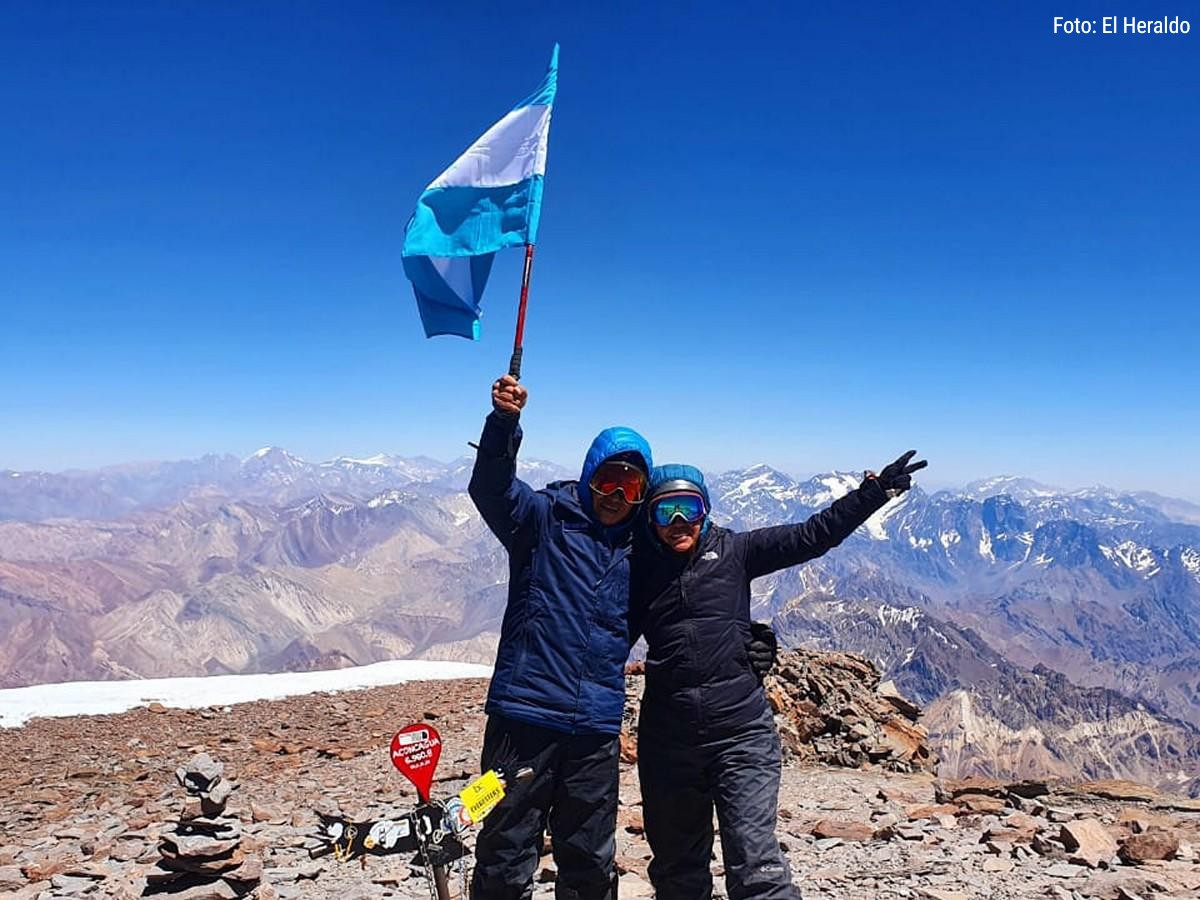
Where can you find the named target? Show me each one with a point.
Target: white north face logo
(711, 554)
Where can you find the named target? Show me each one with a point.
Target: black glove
(762, 649)
(896, 477)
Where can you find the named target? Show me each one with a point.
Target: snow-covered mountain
(273, 562)
(1101, 585)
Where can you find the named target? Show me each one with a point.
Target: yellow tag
(481, 795)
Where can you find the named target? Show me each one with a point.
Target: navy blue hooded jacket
(565, 635)
(694, 609)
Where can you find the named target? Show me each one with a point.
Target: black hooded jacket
(694, 611)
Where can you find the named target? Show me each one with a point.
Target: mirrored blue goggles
(689, 507)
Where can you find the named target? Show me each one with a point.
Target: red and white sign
(416, 750)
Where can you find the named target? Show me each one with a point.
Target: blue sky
(810, 237)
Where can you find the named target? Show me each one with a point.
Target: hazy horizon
(926, 480)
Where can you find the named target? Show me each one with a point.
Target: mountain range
(1062, 627)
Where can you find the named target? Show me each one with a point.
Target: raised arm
(506, 503)
(770, 549)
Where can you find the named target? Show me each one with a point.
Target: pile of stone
(204, 854)
(830, 708)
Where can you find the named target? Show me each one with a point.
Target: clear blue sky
(811, 235)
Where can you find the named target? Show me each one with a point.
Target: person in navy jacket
(706, 736)
(558, 686)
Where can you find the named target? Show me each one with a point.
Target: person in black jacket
(706, 736)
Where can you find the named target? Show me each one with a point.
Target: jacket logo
(711, 554)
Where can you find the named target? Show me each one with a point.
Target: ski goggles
(614, 475)
(685, 505)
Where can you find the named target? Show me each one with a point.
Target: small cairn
(203, 856)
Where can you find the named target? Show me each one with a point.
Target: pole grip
(514, 364)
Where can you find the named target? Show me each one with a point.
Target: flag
(488, 199)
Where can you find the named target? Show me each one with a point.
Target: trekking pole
(514, 364)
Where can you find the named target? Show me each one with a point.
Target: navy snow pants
(573, 793)
(684, 776)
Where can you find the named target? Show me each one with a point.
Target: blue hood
(680, 472)
(610, 442)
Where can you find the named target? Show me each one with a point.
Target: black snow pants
(573, 792)
(683, 777)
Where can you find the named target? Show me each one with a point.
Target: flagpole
(514, 364)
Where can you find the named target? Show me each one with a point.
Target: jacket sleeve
(506, 503)
(770, 549)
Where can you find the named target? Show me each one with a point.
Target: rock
(1178, 804)
(932, 812)
(199, 773)
(1116, 789)
(251, 870)
(997, 864)
(1059, 814)
(216, 890)
(1029, 788)
(1023, 823)
(634, 887)
(128, 848)
(196, 845)
(1088, 842)
(1139, 819)
(261, 813)
(840, 828)
(949, 789)
(901, 740)
(1064, 870)
(45, 869)
(74, 885)
(219, 792)
(267, 744)
(889, 692)
(980, 803)
(1045, 845)
(1008, 836)
(910, 831)
(12, 878)
(932, 893)
(1141, 848)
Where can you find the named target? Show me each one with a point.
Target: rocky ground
(94, 807)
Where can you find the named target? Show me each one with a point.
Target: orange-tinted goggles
(614, 475)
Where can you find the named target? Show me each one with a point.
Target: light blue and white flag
(488, 199)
